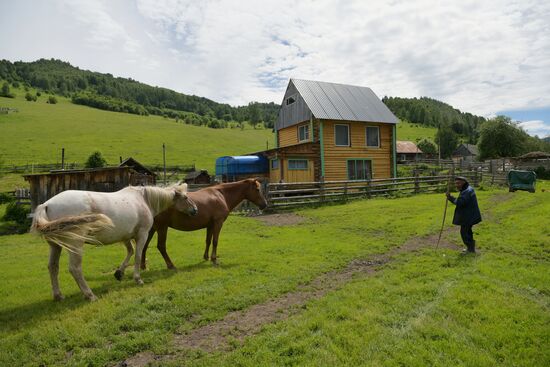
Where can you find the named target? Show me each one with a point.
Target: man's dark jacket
(467, 210)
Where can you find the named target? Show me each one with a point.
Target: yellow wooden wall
(289, 135)
(274, 174)
(291, 175)
(336, 157)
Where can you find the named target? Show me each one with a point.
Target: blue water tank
(241, 165)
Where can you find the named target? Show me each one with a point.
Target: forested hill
(431, 112)
(124, 94)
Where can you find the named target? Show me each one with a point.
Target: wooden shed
(43, 186)
(198, 177)
(465, 153)
(327, 131)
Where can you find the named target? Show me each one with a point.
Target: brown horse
(213, 206)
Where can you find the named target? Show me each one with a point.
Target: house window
(373, 137)
(297, 164)
(274, 164)
(290, 100)
(341, 135)
(303, 133)
(359, 169)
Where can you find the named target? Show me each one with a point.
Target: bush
(51, 100)
(29, 97)
(542, 173)
(6, 198)
(96, 160)
(17, 213)
(38, 94)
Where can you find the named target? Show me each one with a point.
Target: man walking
(467, 212)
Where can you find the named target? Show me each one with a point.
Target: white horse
(72, 218)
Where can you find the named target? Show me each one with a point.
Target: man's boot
(472, 247)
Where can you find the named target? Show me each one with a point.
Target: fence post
(346, 192)
(367, 189)
(416, 182)
(322, 190)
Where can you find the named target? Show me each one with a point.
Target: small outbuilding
(408, 151)
(198, 177)
(44, 186)
(465, 153)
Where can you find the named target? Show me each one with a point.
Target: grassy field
(423, 307)
(39, 130)
(414, 132)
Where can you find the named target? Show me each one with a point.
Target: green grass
(39, 130)
(414, 132)
(11, 181)
(421, 309)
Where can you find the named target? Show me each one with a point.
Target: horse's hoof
(58, 297)
(118, 275)
(139, 282)
(171, 267)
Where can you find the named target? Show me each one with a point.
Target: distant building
(408, 151)
(198, 177)
(466, 153)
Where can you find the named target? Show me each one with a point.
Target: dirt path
(239, 325)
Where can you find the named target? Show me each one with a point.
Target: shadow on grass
(18, 317)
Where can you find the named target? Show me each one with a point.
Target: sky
(484, 57)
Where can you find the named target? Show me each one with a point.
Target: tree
(5, 91)
(96, 160)
(427, 146)
(500, 137)
(447, 140)
(254, 115)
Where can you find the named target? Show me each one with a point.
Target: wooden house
(43, 186)
(407, 151)
(331, 132)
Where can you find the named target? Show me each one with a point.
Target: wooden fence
(283, 195)
(30, 168)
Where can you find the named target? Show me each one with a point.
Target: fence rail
(283, 195)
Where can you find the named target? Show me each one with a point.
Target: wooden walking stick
(451, 174)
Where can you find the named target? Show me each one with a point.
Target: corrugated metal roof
(406, 147)
(333, 101)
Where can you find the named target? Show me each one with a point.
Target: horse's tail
(67, 231)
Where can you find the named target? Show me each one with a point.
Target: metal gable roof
(333, 101)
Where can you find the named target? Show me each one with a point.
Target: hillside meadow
(420, 307)
(39, 130)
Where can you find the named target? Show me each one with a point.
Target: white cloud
(481, 57)
(536, 127)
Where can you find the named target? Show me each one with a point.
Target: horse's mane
(159, 198)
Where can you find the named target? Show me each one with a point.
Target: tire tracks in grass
(236, 326)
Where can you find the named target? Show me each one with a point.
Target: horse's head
(182, 202)
(255, 194)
